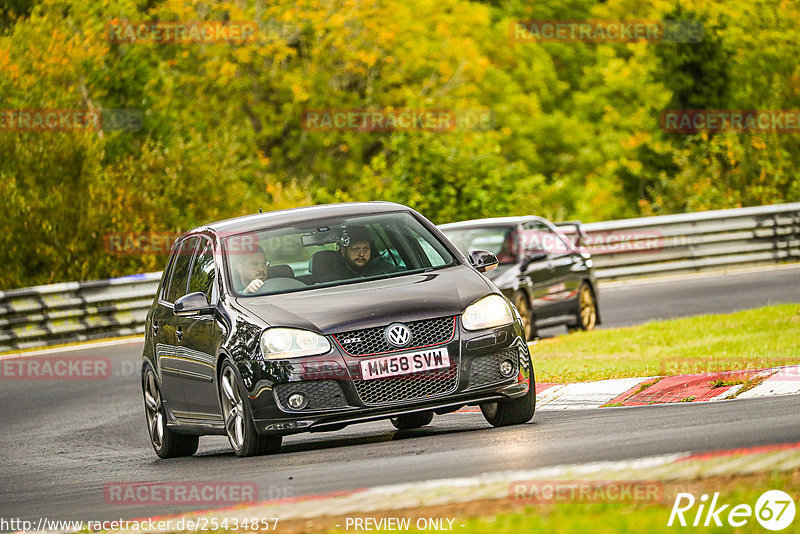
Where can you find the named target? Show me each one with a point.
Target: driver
(251, 268)
(357, 253)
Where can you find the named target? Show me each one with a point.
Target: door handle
(155, 329)
(179, 333)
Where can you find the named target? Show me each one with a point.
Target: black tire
(166, 443)
(238, 419)
(412, 420)
(586, 311)
(525, 311)
(512, 412)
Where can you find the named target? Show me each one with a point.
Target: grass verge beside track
(509, 516)
(750, 339)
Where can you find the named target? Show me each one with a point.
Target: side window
(538, 237)
(180, 269)
(203, 271)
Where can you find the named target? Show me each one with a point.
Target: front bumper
(338, 396)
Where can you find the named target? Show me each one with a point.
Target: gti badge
(398, 335)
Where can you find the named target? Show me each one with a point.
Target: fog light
(506, 368)
(297, 401)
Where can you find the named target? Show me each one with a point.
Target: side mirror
(192, 303)
(482, 260)
(533, 257)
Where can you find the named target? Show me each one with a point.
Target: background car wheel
(239, 427)
(513, 412)
(166, 443)
(587, 310)
(528, 321)
(412, 420)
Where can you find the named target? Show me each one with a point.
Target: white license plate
(405, 363)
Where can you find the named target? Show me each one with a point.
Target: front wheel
(513, 412)
(166, 443)
(239, 426)
(412, 420)
(587, 309)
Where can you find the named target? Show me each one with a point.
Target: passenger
(357, 250)
(250, 270)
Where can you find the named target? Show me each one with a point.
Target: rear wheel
(513, 412)
(524, 309)
(587, 309)
(412, 420)
(239, 427)
(166, 443)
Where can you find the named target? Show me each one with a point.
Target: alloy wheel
(588, 310)
(154, 410)
(233, 408)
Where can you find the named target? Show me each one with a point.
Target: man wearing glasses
(251, 268)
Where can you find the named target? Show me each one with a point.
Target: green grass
(751, 339)
(634, 518)
(621, 518)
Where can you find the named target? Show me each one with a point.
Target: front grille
(322, 394)
(418, 386)
(372, 341)
(485, 370)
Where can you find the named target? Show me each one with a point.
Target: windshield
(498, 240)
(331, 252)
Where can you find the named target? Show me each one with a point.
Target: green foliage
(574, 126)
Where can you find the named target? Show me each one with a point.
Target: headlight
(488, 312)
(277, 343)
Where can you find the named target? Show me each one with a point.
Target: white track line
(71, 348)
(619, 284)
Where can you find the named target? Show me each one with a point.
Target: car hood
(374, 303)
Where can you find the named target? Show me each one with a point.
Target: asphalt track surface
(630, 303)
(64, 442)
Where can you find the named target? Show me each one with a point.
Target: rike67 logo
(774, 510)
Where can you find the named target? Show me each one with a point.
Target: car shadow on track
(320, 441)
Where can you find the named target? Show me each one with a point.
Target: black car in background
(549, 278)
(315, 318)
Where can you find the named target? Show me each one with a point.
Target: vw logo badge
(398, 334)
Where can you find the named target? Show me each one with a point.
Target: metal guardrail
(75, 311)
(672, 244)
(628, 248)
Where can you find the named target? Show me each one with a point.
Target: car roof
(492, 221)
(259, 221)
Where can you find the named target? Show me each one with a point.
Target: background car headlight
(277, 343)
(488, 312)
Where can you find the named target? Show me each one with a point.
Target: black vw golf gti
(315, 318)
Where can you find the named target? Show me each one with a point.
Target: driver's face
(357, 255)
(253, 266)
